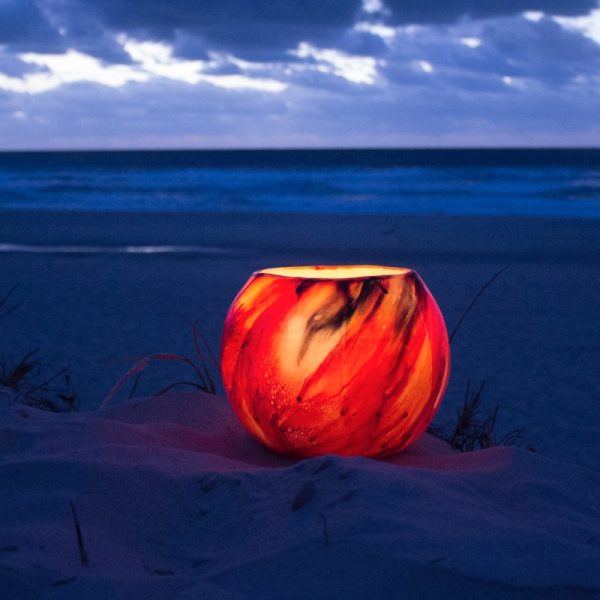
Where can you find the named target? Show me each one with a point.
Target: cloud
(356, 69)
(589, 25)
(542, 50)
(155, 58)
(225, 14)
(435, 12)
(158, 113)
(168, 113)
(255, 28)
(261, 30)
(149, 60)
(23, 26)
(530, 52)
(70, 67)
(84, 73)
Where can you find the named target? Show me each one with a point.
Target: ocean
(500, 182)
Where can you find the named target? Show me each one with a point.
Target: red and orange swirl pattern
(345, 360)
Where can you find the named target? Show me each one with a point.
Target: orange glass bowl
(350, 360)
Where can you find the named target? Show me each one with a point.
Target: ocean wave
(542, 183)
(574, 192)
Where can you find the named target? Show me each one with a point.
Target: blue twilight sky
(298, 73)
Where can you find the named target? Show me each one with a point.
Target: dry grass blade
(176, 383)
(477, 296)
(198, 338)
(205, 384)
(467, 429)
(142, 364)
(134, 387)
(45, 384)
(5, 299)
(48, 395)
(83, 557)
(12, 378)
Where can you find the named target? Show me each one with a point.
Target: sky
(104, 74)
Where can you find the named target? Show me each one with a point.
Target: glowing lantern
(346, 359)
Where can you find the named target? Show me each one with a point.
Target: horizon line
(301, 149)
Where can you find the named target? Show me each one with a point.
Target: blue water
(452, 182)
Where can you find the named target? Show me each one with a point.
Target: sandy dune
(175, 500)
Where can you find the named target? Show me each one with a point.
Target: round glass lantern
(349, 360)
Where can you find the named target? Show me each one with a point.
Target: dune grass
(24, 382)
(30, 380)
(204, 382)
(472, 431)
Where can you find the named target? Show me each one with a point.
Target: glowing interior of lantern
(330, 272)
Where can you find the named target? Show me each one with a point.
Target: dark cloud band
(432, 12)
(259, 29)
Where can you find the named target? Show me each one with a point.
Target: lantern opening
(335, 272)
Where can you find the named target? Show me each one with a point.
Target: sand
(173, 499)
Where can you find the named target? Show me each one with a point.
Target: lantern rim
(337, 272)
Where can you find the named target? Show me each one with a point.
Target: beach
(100, 289)
(299, 300)
(169, 496)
